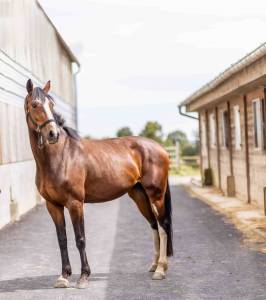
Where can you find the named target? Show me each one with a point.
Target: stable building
(30, 47)
(232, 127)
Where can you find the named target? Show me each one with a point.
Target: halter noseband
(39, 128)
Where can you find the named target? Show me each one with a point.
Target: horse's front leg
(77, 216)
(57, 214)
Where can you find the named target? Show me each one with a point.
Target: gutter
(185, 114)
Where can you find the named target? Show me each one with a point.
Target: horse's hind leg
(57, 214)
(159, 196)
(162, 261)
(139, 196)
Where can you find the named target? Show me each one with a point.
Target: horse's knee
(80, 242)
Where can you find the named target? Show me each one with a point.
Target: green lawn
(186, 170)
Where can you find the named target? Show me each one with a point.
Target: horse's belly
(105, 192)
(111, 181)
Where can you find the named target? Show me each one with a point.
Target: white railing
(173, 152)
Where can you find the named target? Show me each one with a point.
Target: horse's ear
(47, 87)
(29, 86)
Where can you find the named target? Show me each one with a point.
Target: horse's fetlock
(86, 271)
(163, 264)
(67, 271)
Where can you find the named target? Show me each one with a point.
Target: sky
(140, 58)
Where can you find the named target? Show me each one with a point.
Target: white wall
(18, 183)
(17, 167)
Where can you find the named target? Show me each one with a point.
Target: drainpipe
(76, 93)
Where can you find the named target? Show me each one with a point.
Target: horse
(72, 171)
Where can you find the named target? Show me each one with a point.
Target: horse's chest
(54, 190)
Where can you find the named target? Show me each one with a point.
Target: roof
(227, 73)
(64, 44)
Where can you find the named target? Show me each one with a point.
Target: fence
(174, 155)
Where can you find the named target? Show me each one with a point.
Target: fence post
(177, 154)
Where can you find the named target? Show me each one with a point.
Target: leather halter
(39, 128)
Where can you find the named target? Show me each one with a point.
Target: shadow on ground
(42, 282)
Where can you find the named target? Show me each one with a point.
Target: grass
(186, 170)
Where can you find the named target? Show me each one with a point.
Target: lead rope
(40, 142)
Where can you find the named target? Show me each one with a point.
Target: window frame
(237, 128)
(212, 124)
(204, 146)
(258, 137)
(225, 129)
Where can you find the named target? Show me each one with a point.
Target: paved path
(210, 259)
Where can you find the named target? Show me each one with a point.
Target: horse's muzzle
(53, 137)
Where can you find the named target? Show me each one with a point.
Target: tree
(152, 130)
(179, 136)
(190, 150)
(196, 141)
(124, 131)
(186, 147)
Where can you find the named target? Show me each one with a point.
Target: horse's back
(140, 149)
(116, 165)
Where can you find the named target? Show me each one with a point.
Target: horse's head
(39, 111)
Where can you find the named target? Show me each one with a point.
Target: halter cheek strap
(39, 128)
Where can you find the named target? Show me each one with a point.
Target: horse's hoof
(158, 276)
(83, 283)
(61, 282)
(153, 268)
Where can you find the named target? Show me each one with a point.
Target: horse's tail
(168, 220)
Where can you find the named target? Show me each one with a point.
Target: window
(203, 135)
(237, 127)
(212, 131)
(225, 129)
(257, 123)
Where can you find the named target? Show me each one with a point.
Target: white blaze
(49, 114)
(47, 109)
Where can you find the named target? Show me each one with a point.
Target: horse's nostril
(51, 134)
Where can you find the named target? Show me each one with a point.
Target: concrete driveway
(210, 260)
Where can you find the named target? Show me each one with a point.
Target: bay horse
(71, 171)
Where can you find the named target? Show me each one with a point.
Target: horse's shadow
(42, 282)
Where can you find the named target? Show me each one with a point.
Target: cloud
(226, 35)
(126, 30)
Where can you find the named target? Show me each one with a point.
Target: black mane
(60, 121)
(38, 93)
